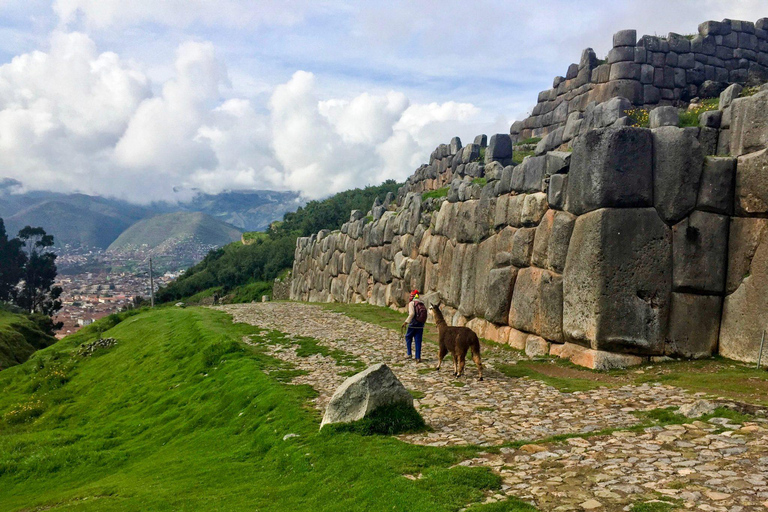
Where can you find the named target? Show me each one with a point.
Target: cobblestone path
(703, 466)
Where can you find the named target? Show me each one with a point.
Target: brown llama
(456, 340)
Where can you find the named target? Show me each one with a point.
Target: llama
(456, 340)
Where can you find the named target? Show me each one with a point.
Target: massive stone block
(484, 262)
(617, 281)
(501, 282)
(716, 187)
(745, 311)
(559, 239)
(744, 237)
(611, 167)
(537, 303)
(541, 240)
(468, 283)
(499, 148)
(677, 167)
(522, 247)
(699, 248)
(752, 183)
(694, 325)
(749, 124)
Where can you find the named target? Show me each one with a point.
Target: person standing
(417, 317)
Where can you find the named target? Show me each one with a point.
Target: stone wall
(652, 71)
(640, 243)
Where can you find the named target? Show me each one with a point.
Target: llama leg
(462, 359)
(478, 362)
(441, 352)
(455, 364)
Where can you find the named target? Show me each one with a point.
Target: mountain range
(84, 221)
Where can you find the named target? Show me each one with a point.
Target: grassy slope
(19, 338)
(180, 415)
(715, 376)
(179, 225)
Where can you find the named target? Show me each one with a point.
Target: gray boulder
(728, 95)
(677, 166)
(617, 281)
(365, 392)
(697, 409)
(610, 167)
(499, 148)
(664, 116)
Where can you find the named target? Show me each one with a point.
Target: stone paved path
(702, 466)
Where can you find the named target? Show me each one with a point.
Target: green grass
(389, 420)
(252, 236)
(181, 415)
(529, 140)
(566, 385)
(250, 292)
(480, 181)
(519, 156)
(481, 156)
(20, 337)
(435, 194)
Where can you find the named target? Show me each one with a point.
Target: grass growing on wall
(435, 194)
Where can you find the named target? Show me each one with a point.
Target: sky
(150, 100)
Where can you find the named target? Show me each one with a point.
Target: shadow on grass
(389, 420)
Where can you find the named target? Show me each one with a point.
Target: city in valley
(97, 284)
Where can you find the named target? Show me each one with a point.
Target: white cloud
(333, 145)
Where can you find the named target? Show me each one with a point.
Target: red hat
(414, 293)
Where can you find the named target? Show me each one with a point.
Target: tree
(37, 293)
(12, 260)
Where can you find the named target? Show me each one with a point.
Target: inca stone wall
(640, 243)
(651, 71)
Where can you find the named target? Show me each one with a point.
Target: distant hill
(75, 219)
(80, 220)
(249, 210)
(175, 239)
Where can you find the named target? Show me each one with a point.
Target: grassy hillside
(20, 337)
(272, 253)
(182, 415)
(162, 232)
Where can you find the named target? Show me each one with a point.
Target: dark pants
(414, 333)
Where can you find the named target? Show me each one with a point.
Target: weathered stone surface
(534, 208)
(717, 184)
(559, 239)
(625, 38)
(699, 247)
(499, 148)
(537, 303)
(744, 237)
(697, 409)
(663, 116)
(746, 309)
(749, 124)
(677, 168)
(752, 183)
(501, 283)
(541, 240)
(711, 118)
(536, 346)
(694, 325)
(522, 247)
(728, 95)
(597, 359)
(556, 193)
(617, 281)
(484, 262)
(611, 167)
(468, 283)
(365, 392)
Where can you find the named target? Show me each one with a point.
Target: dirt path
(710, 466)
